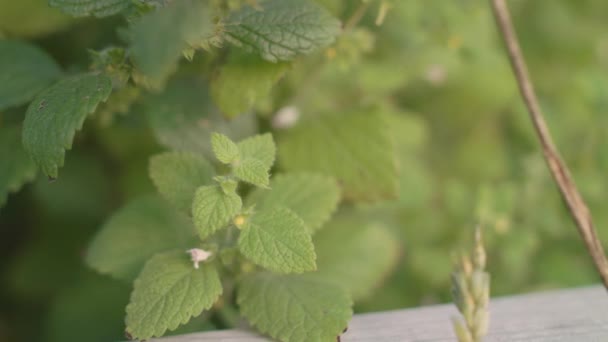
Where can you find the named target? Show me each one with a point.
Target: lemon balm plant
(180, 251)
(228, 230)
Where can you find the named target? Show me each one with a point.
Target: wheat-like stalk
(471, 293)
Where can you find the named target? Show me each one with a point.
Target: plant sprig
(471, 293)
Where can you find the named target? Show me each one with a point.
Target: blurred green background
(466, 148)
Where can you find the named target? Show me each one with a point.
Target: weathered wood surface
(577, 315)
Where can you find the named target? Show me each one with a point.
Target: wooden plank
(565, 315)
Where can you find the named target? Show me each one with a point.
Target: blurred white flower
(197, 255)
(286, 117)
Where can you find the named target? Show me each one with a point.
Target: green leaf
(356, 254)
(16, 167)
(225, 150)
(98, 8)
(278, 240)
(177, 175)
(159, 37)
(69, 316)
(24, 71)
(242, 82)
(282, 29)
(142, 228)
(356, 149)
(260, 147)
(31, 19)
(169, 292)
(295, 308)
(312, 197)
(56, 114)
(183, 118)
(252, 171)
(213, 209)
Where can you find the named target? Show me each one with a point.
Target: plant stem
(561, 175)
(356, 17)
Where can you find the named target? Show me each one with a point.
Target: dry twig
(561, 175)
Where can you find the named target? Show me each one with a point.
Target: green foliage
(225, 150)
(311, 196)
(169, 292)
(31, 19)
(159, 37)
(368, 172)
(142, 228)
(80, 8)
(252, 171)
(70, 317)
(213, 208)
(355, 254)
(25, 70)
(402, 121)
(183, 118)
(56, 114)
(294, 307)
(251, 78)
(177, 175)
(259, 147)
(278, 240)
(16, 168)
(281, 29)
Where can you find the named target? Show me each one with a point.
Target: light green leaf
(225, 150)
(260, 147)
(98, 8)
(312, 197)
(295, 308)
(252, 171)
(278, 240)
(183, 118)
(177, 175)
(133, 234)
(354, 148)
(355, 253)
(159, 37)
(16, 167)
(56, 114)
(242, 82)
(24, 71)
(282, 29)
(228, 184)
(169, 292)
(213, 209)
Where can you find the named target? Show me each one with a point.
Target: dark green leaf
(55, 115)
(16, 167)
(98, 8)
(282, 29)
(24, 71)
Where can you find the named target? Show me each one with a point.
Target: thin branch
(356, 17)
(576, 205)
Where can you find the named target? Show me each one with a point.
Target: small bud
(197, 255)
(239, 221)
